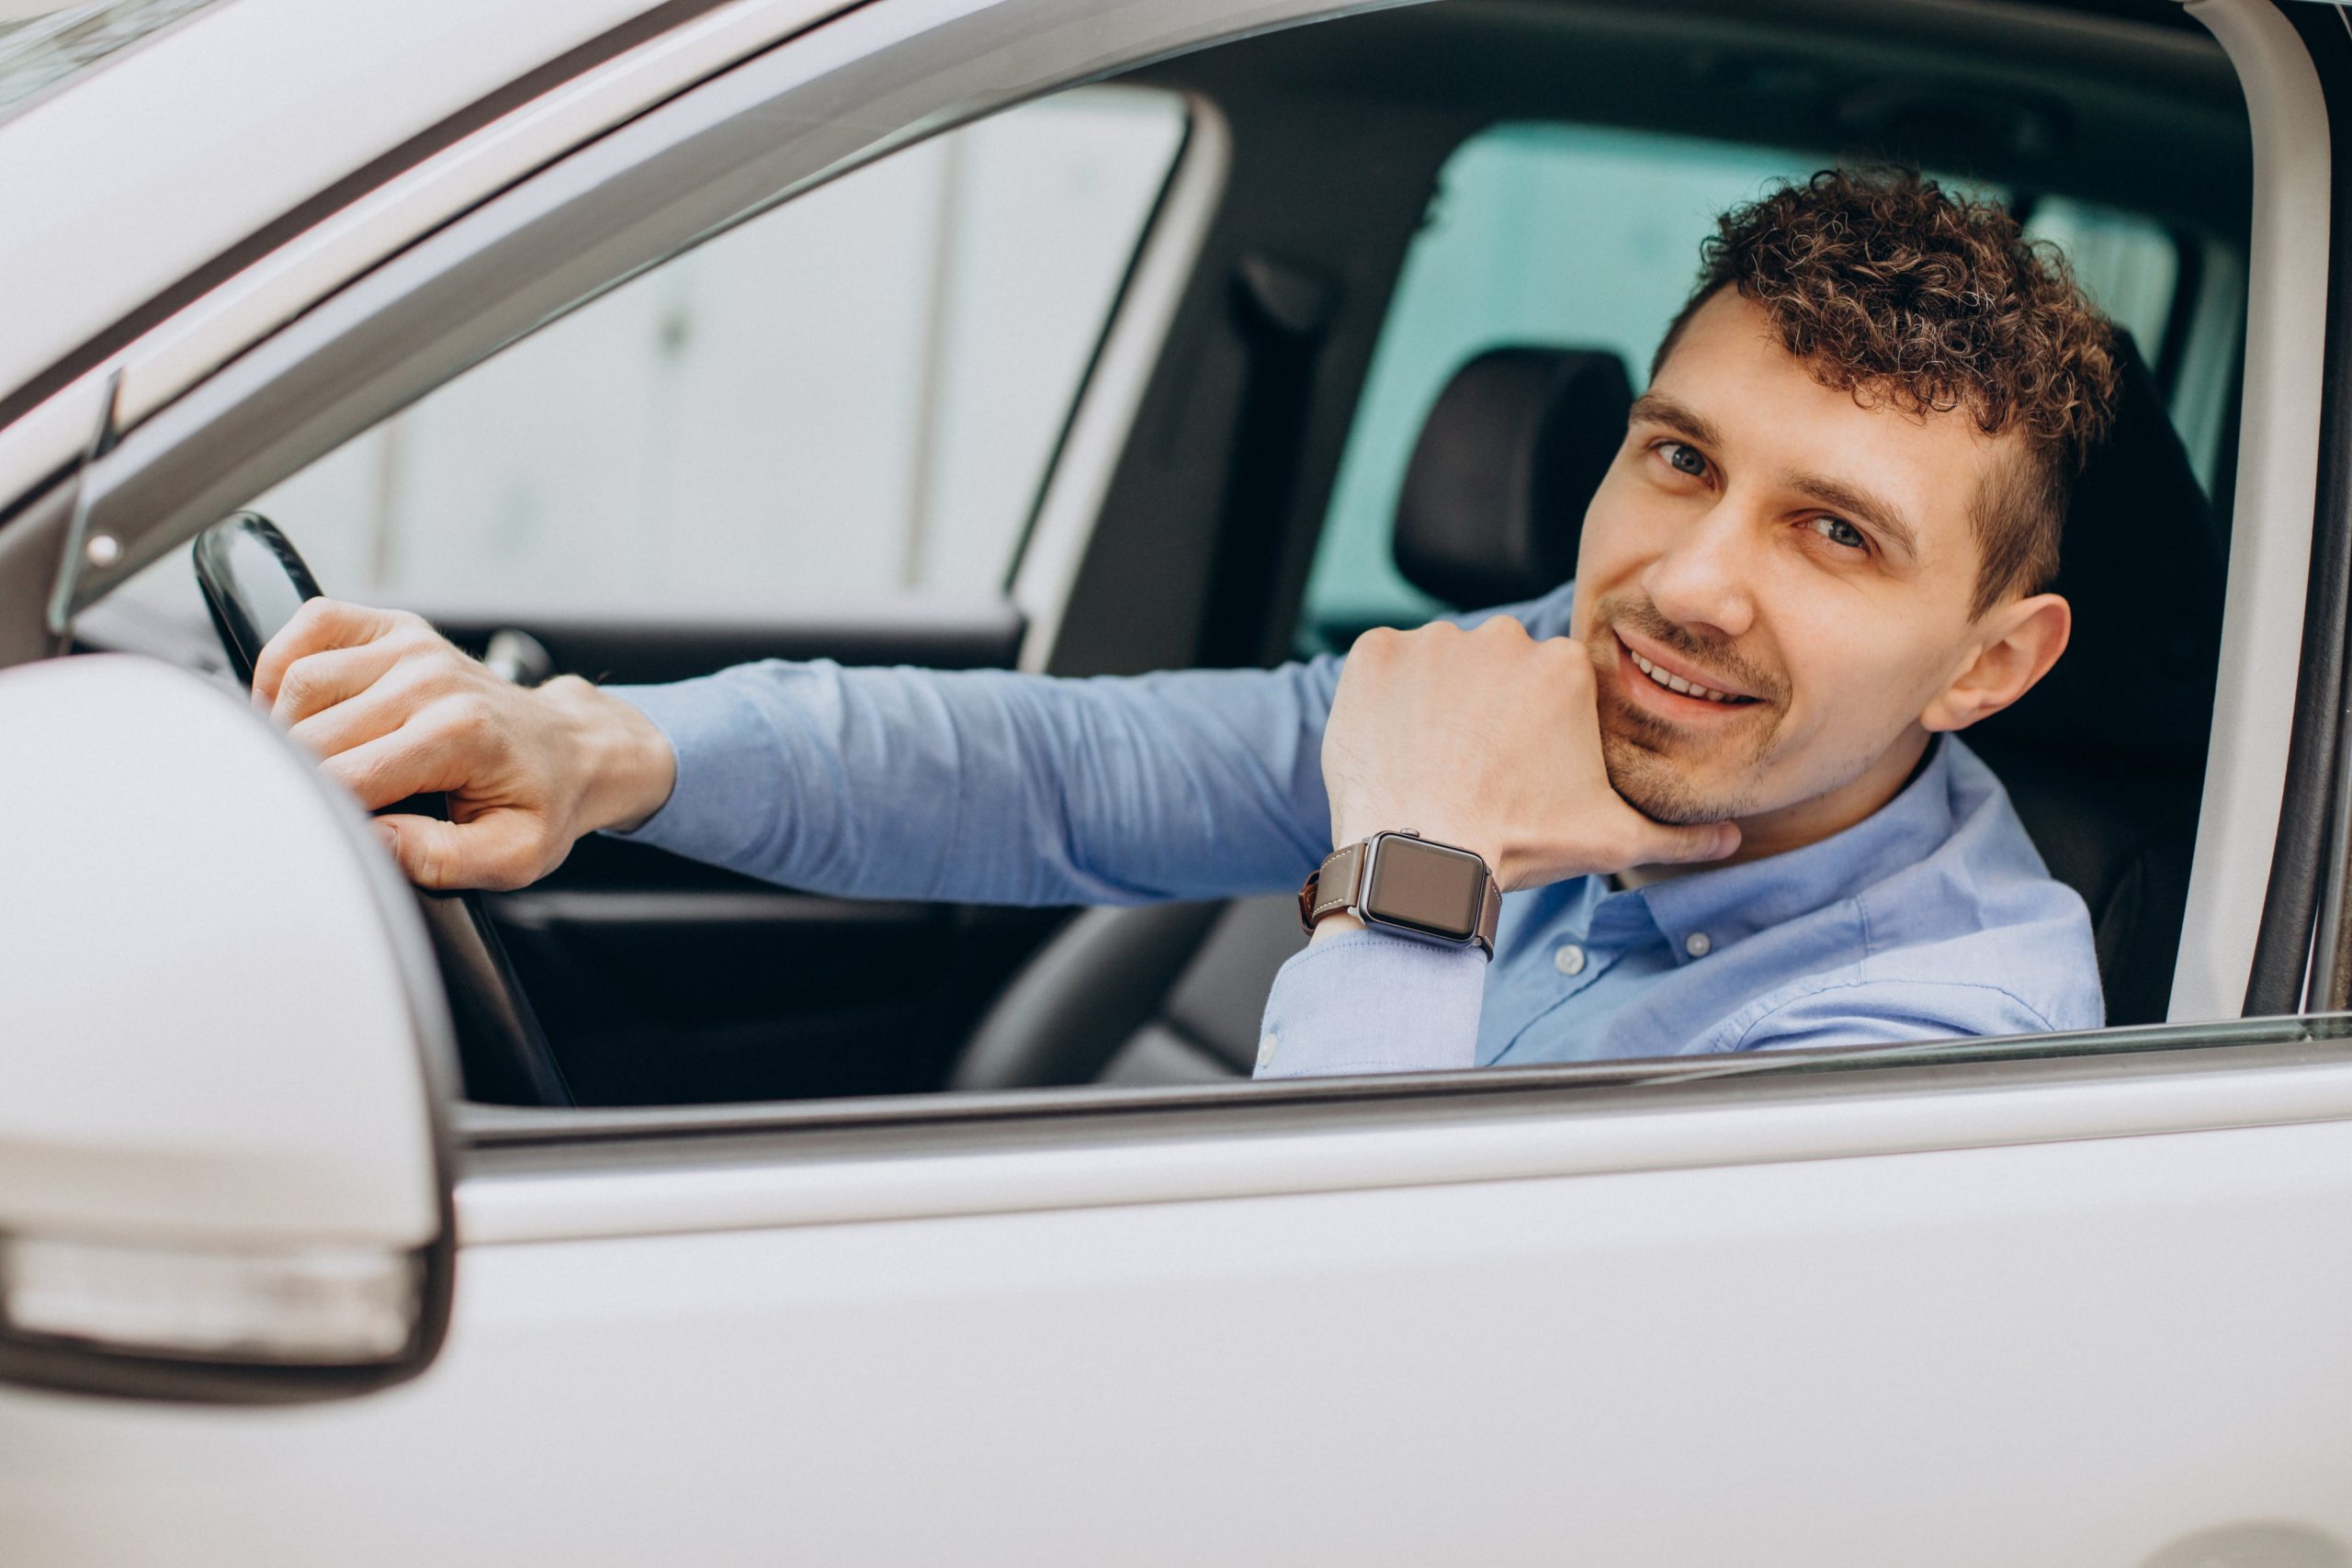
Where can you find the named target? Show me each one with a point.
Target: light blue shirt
(1932, 918)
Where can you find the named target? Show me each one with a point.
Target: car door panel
(1491, 1333)
(664, 982)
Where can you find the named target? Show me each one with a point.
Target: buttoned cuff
(705, 722)
(1370, 1002)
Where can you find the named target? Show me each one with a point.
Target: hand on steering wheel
(397, 713)
(393, 710)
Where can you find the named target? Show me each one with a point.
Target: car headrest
(1507, 460)
(2142, 565)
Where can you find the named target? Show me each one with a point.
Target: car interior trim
(2305, 914)
(1104, 415)
(2270, 541)
(1267, 1142)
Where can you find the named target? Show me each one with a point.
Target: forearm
(988, 786)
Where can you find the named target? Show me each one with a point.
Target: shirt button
(1569, 960)
(1698, 944)
(1267, 1044)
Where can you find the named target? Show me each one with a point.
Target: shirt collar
(1703, 910)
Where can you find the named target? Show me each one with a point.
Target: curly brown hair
(1888, 286)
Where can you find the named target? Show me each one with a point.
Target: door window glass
(1587, 237)
(857, 392)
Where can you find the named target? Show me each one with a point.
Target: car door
(2074, 1303)
(2060, 1300)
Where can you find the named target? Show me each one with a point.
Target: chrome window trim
(535, 1176)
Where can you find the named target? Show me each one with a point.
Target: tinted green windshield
(43, 44)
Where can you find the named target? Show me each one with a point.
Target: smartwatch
(1403, 882)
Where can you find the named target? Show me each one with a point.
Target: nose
(1704, 578)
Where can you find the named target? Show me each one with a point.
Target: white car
(1079, 336)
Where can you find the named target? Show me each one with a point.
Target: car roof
(176, 153)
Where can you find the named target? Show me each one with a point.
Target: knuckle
(469, 715)
(311, 614)
(437, 668)
(300, 685)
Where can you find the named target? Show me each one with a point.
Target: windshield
(43, 44)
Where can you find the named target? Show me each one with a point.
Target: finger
(373, 712)
(1663, 845)
(316, 682)
(415, 759)
(319, 624)
(496, 851)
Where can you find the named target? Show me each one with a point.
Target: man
(1822, 550)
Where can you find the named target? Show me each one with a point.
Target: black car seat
(2104, 760)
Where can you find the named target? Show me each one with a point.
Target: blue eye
(1838, 531)
(1684, 458)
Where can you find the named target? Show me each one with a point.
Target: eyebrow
(1655, 408)
(1837, 495)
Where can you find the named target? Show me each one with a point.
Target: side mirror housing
(224, 1159)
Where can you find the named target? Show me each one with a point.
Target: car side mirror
(224, 1166)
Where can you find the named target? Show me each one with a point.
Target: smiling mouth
(1681, 687)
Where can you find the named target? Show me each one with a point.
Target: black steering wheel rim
(253, 579)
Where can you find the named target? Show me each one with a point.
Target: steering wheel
(253, 581)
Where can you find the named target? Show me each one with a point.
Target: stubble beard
(1641, 750)
(1642, 771)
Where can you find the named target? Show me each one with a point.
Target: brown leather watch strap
(1332, 887)
(1338, 885)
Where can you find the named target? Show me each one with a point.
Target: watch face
(1425, 888)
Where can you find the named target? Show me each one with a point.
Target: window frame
(361, 354)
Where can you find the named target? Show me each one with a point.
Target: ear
(2017, 644)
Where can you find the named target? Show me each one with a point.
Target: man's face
(1807, 558)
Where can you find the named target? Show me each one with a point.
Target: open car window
(674, 487)
(856, 394)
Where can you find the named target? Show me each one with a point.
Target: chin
(1662, 790)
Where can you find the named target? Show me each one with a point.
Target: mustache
(1707, 655)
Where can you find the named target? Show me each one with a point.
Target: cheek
(1610, 547)
(1863, 678)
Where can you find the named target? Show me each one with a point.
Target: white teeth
(1677, 684)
